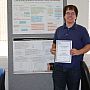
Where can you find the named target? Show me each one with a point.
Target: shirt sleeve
(55, 36)
(85, 37)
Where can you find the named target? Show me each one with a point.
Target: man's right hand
(53, 49)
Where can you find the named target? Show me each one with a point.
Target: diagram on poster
(36, 16)
(31, 56)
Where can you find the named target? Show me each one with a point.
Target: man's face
(70, 16)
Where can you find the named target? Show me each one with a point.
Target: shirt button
(66, 34)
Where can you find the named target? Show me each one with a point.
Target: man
(69, 73)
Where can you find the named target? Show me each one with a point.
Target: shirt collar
(73, 27)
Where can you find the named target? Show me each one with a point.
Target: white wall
(83, 7)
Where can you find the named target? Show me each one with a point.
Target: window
(3, 28)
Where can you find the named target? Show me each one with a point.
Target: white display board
(31, 56)
(36, 16)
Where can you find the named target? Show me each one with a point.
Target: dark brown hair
(70, 7)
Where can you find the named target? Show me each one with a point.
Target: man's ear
(76, 19)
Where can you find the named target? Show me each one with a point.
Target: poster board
(27, 81)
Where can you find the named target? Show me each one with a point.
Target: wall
(83, 8)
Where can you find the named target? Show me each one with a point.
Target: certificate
(63, 48)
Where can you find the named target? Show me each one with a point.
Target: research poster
(32, 56)
(36, 16)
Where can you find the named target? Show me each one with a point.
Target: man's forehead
(72, 10)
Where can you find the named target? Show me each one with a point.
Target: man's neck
(69, 25)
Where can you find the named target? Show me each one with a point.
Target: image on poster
(36, 16)
(32, 56)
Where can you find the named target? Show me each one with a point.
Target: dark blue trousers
(66, 76)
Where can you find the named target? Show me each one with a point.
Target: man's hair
(70, 7)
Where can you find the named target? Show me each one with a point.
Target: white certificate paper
(63, 48)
